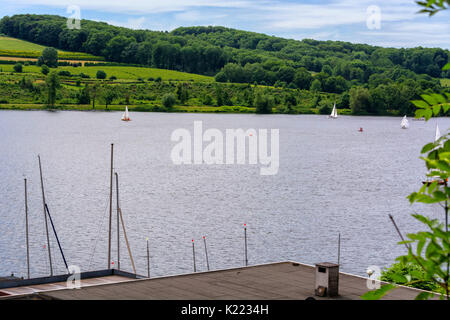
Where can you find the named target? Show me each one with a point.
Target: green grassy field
(445, 82)
(120, 72)
(7, 43)
(12, 47)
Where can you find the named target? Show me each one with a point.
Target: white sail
(405, 123)
(126, 116)
(438, 134)
(334, 112)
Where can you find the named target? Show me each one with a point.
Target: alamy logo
(73, 281)
(373, 21)
(190, 149)
(73, 21)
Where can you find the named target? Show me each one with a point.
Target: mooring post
(206, 252)
(339, 249)
(148, 260)
(193, 255)
(245, 241)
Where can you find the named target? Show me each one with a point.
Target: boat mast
(110, 207)
(118, 224)
(124, 231)
(26, 230)
(45, 218)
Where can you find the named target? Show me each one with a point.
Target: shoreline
(176, 109)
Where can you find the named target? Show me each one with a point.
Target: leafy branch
(431, 7)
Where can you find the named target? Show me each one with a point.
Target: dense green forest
(372, 80)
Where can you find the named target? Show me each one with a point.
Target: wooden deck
(284, 280)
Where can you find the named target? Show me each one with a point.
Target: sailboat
(437, 136)
(126, 116)
(333, 114)
(405, 123)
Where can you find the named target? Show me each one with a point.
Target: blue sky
(346, 20)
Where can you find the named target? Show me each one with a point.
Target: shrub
(45, 69)
(113, 78)
(168, 100)
(101, 74)
(64, 73)
(18, 67)
(415, 271)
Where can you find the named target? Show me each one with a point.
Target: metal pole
(148, 260)
(126, 241)
(45, 218)
(110, 207)
(57, 239)
(193, 255)
(118, 224)
(206, 252)
(339, 249)
(26, 230)
(245, 240)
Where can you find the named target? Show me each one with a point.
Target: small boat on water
(405, 123)
(361, 130)
(437, 135)
(439, 181)
(126, 116)
(333, 114)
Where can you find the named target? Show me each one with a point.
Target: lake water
(331, 179)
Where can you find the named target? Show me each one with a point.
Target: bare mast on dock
(110, 207)
(45, 218)
(123, 227)
(118, 223)
(26, 230)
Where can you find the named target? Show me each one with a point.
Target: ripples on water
(332, 179)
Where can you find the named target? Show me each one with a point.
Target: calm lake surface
(331, 179)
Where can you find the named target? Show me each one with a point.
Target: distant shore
(158, 108)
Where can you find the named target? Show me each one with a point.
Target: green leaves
(432, 104)
(379, 293)
(431, 7)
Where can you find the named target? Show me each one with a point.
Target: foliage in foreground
(427, 264)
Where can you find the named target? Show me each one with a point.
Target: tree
(316, 86)
(83, 96)
(52, 82)
(360, 100)
(18, 67)
(45, 69)
(263, 103)
(303, 79)
(109, 94)
(101, 74)
(182, 93)
(49, 57)
(93, 93)
(169, 100)
(286, 74)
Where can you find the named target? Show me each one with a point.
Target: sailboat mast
(45, 218)
(26, 230)
(110, 206)
(118, 223)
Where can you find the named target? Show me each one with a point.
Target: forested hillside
(371, 79)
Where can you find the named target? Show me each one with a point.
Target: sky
(387, 23)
